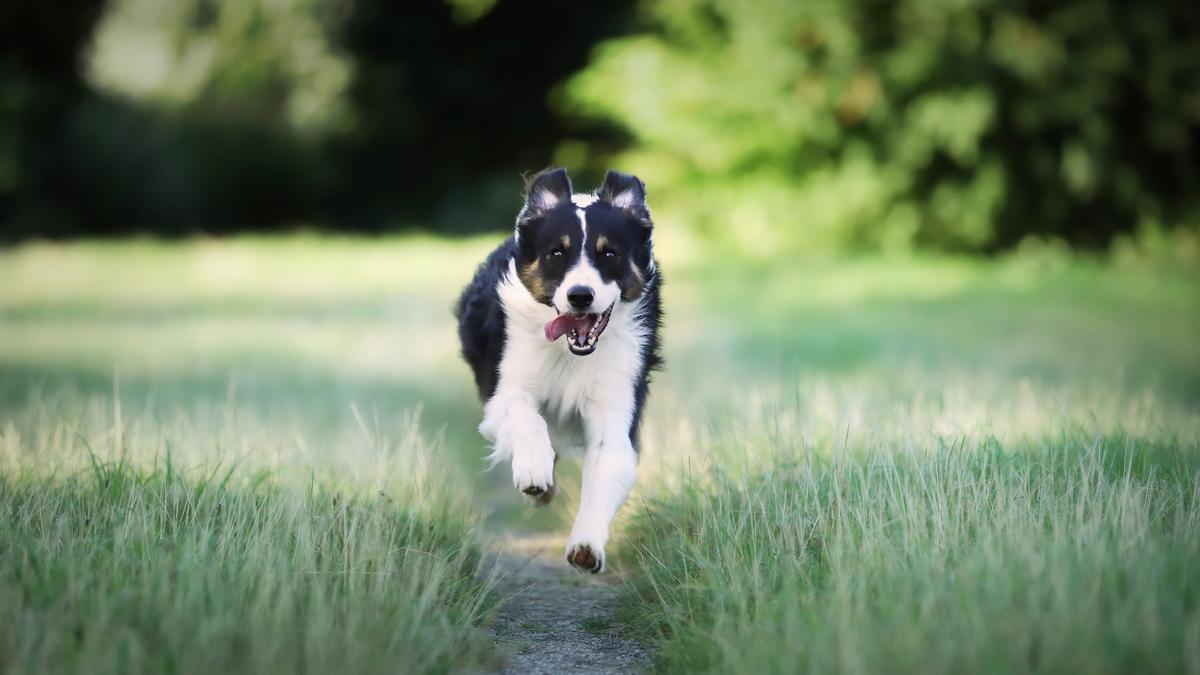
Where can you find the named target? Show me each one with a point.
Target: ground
(291, 415)
(556, 620)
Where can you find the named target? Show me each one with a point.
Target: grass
(132, 544)
(596, 624)
(1076, 555)
(259, 454)
(982, 468)
(193, 480)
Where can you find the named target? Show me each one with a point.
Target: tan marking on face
(566, 241)
(633, 290)
(533, 281)
(601, 243)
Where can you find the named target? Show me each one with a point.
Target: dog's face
(582, 254)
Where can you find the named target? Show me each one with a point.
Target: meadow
(214, 460)
(260, 454)
(927, 468)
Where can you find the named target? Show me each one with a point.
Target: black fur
(651, 356)
(481, 319)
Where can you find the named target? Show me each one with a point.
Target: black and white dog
(579, 267)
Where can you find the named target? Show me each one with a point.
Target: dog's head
(582, 254)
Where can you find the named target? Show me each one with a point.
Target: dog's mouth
(582, 330)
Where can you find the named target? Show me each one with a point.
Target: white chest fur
(564, 385)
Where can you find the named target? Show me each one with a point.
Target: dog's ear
(543, 191)
(626, 192)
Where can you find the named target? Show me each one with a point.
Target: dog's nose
(580, 297)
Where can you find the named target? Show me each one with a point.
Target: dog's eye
(556, 253)
(611, 255)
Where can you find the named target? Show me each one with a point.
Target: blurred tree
(961, 124)
(220, 115)
(264, 61)
(40, 52)
(451, 100)
(213, 115)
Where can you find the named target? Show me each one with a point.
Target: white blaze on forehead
(583, 200)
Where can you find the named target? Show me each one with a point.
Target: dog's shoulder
(487, 277)
(480, 317)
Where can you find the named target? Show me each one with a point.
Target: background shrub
(773, 125)
(946, 123)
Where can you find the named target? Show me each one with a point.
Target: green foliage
(861, 124)
(267, 61)
(170, 117)
(770, 125)
(184, 171)
(221, 115)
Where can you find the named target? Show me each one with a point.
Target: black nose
(580, 297)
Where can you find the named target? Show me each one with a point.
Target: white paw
(543, 498)
(586, 556)
(533, 470)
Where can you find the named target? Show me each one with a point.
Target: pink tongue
(563, 323)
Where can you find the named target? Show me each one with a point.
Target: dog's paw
(533, 472)
(586, 556)
(543, 498)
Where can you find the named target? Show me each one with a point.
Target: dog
(560, 326)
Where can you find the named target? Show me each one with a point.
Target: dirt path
(557, 620)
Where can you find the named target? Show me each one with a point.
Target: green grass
(132, 544)
(943, 467)
(1077, 555)
(212, 462)
(596, 624)
(848, 465)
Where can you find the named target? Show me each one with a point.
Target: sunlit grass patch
(935, 466)
(1079, 554)
(207, 542)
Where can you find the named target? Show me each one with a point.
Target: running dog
(560, 326)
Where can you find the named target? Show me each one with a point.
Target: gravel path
(557, 620)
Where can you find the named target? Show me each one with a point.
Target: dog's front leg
(609, 471)
(517, 431)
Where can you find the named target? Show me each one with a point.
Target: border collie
(560, 326)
